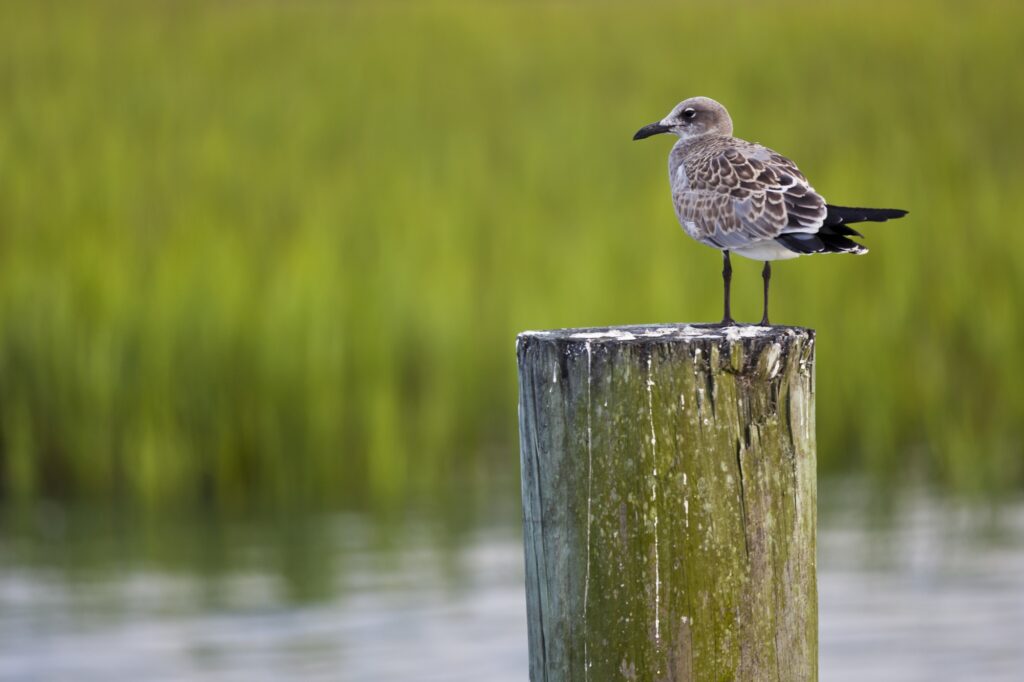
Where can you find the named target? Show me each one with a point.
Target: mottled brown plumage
(729, 193)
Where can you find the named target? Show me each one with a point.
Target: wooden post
(669, 503)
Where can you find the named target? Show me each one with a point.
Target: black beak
(653, 129)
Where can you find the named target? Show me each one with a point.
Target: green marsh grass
(266, 252)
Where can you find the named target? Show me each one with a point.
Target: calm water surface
(928, 590)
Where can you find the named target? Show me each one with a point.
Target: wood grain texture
(669, 503)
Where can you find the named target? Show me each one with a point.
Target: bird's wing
(737, 193)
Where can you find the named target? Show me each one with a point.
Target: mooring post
(669, 503)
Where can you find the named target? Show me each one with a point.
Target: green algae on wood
(669, 503)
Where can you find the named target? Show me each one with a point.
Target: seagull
(738, 196)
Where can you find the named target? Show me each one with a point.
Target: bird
(741, 197)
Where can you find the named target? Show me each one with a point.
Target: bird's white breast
(768, 249)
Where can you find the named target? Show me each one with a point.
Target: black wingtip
(822, 242)
(847, 214)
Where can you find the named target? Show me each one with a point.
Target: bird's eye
(688, 114)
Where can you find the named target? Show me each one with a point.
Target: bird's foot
(764, 322)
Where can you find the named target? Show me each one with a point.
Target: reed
(270, 251)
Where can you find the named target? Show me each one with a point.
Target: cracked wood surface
(669, 503)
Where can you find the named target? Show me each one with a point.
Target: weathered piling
(669, 503)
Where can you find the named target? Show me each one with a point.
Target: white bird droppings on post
(610, 334)
(736, 333)
(654, 504)
(590, 480)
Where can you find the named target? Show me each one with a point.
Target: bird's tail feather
(822, 242)
(837, 215)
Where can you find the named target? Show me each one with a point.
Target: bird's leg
(766, 274)
(726, 280)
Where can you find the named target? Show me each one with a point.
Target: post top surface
(668, 332)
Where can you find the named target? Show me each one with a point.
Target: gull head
(691, 118)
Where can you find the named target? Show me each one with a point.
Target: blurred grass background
(268, 252)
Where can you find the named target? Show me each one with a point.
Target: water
(926, 590)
